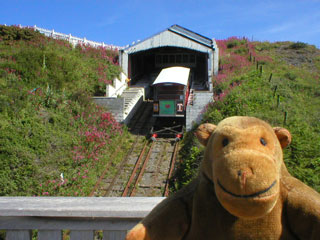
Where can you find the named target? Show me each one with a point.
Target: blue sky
(120, 22)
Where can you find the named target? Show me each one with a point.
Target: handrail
(81, 215)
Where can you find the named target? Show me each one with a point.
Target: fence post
(278, 100)
(285, 118)
(44, 61)
(270, 77)
(275, 90)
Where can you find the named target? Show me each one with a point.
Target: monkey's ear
(284, 136)
(204, 132)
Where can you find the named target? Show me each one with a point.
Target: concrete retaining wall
(114, 105)
(195, 111)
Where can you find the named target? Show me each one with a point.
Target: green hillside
(277, 82)
(53, 139)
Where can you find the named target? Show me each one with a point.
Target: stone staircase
(124, 106)
(131, 97)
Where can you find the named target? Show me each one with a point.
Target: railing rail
(72, 39)
(82, 216)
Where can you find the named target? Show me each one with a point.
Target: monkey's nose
(243, 174)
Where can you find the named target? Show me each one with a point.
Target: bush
(232, 43)
(9, 33)
(298, 45)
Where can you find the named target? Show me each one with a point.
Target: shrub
(298, 45)
(9, 33)
(232, 43)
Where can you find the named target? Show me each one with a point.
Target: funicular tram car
(171, 91)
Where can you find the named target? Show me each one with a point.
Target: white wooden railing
(81, 216)
(72, 39)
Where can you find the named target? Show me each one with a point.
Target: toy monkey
(243, 191)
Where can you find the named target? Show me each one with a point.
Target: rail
(173, 161)
(82, 216)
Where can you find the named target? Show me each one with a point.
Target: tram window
(178, 59)
(192, 58)
(158, 59)
(185, 58)
(171, 59)
(165, 59)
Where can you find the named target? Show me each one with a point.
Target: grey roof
(191, 35)
(205, 41)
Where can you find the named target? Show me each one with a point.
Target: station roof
(174, 36)
(191, 35)
(178, 75)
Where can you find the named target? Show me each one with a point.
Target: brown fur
(243, 191)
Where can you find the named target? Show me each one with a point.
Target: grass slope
(277, 82)
(53, 139)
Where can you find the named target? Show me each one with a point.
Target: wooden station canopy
(175, 46)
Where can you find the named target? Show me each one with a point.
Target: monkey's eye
(225, 142)
(263, 142)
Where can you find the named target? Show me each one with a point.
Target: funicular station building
(175, 46)
(142, 62)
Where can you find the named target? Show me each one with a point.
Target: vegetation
(277, 82)
(53, 139)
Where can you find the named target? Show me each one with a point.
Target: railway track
(145, 172)
(147, 166)
(152, 170)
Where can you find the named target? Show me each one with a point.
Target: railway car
(171, 91)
